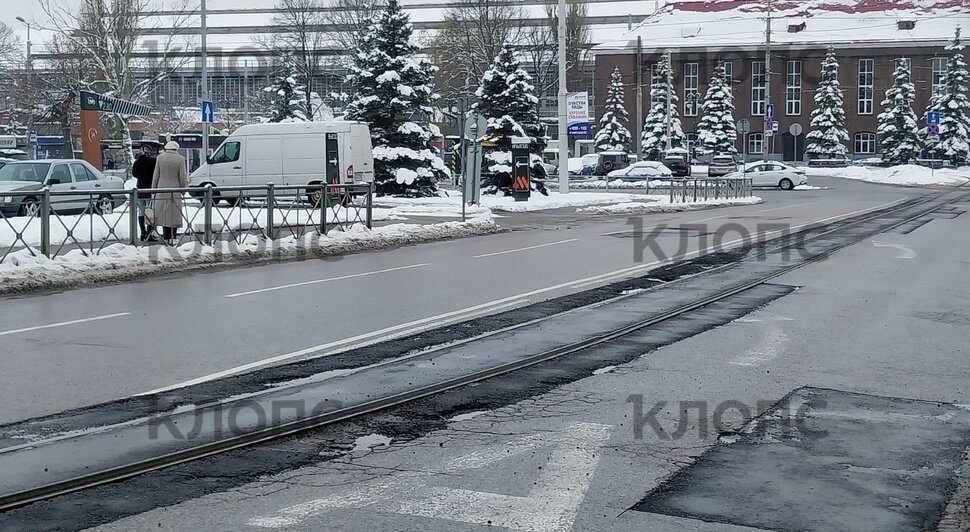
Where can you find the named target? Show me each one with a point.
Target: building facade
(867, 44)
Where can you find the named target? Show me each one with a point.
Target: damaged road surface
(774, 391)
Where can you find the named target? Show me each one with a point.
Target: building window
(656, 84)
(793, 98)
(690, 89)
(939, 72)
(758, 80)
(865, 143)
(865, 86)
(756, 143)
(728, 73)
(905, 61)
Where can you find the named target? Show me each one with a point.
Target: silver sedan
(77, 187)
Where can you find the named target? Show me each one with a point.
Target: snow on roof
(713, 23)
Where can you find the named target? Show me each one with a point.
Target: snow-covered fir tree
(828, 134)
(390, 85)
(289, 98)
(653, 140)
(897, 128)
(613, 134)
(507, 100)
(954, 108)
(717, 131)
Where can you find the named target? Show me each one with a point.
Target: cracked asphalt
(556, 447)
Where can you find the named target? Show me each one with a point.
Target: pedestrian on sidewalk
(144, 172)
(170, 172)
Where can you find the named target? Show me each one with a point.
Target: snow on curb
(906, 174)
(652, 208)
(22, 272)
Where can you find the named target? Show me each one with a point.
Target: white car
(642, 170)
(772, 174)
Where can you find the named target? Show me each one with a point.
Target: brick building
(868, 35)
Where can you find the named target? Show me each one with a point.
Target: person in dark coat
(143, 171)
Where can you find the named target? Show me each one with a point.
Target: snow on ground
(600, 184)
(907, 174)
(22, 271)
(662, 205)
(809, 187)
(366, 443)
(451, 205)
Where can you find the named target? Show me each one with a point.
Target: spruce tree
(508, 102)
(289, 104)
(828, 134)
(391, 86)
(653, 140)
(954, 108)
(717, 131)
(897, 129)
(613, 134)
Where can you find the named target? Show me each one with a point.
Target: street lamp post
(30, 68)
(205, 87)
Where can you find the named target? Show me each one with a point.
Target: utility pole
(767, 121)
(205, 88)
(670, 114)
(246, 90)
(29, 92)
(639, 118)
(563, 132)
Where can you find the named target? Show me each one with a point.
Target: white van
(298, 153)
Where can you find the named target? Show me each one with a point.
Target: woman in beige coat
(170, 172)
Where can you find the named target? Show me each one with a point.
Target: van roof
(293, 127)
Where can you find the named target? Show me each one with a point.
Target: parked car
(721, 165)
(589, 163)
(22, 181)
(772, 174)
(4, 161)
(607, 161)
(642, 170)
(300, 153)
(14, 154)
(678, 161)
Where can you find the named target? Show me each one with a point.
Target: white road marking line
(434, 322)
(361, 340)
(525, 248)
(63, 323)
(551, 505)
(327, 280)
(905, 252)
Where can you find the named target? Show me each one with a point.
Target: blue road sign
(770, 110)
(578, 130)
(208, 112)
(32, 139)
(932, 118)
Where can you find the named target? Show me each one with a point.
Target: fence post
(132, 215)
(207, 216)
(683, 192)
(673, 181)
(45, 223)
(370, 205)
(270, 200)
(324, 201)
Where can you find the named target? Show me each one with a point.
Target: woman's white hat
(172, 145)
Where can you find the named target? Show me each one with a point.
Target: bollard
(207, 216)
(132, 216)
(270, 200)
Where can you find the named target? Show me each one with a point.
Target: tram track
(892, 217)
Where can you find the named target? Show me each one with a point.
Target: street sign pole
(205, 87)
(462, 111)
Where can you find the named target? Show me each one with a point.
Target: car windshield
(35, 172)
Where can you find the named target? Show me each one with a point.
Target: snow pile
(600, 184)
(666, 206)
(907, 174)
(22, 272)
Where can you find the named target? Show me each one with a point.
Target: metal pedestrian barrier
(49, 224)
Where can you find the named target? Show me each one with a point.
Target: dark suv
(679, 164)
(722, 165)
(611, 160)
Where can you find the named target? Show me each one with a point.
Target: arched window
(865, 142)
(756, 143)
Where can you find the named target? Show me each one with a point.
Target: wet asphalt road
(877, 331)
(83, 347)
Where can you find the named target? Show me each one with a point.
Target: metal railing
(686, 190)
(50, 223)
